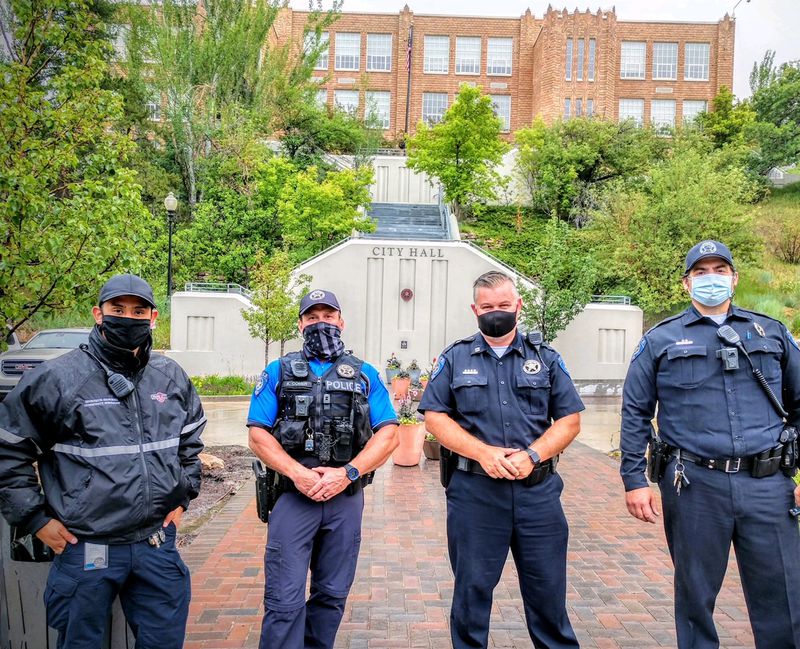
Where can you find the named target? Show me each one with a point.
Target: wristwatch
(353, 474)
(534, 456)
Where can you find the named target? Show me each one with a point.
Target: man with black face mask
(504, 405)
(324, 421)
(116, 434)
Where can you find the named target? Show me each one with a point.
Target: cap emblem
(708, 247)
(316, 295)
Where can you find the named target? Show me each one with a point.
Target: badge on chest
(531, 366)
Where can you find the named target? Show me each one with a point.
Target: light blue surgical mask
(711, 289)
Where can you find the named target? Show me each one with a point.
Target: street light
(733, 13)
(171, 204)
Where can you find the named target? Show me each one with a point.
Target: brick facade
(538, 84)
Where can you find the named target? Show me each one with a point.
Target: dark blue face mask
(125, 333)
(323, 340)
(497, 324)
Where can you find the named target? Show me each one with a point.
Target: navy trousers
(486, 517)
(713, 511)
(324, 537)
(153, 585)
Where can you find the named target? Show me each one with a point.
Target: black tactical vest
(324, 418)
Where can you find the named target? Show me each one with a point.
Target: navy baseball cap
(127, 284)
(316, 297)
(706, 249)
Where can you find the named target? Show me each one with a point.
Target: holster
(268, 490)
(28, 548)
(658, 454)
(790, 457)
(767, 462)
(447, 465)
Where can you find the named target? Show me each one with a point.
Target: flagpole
(408, 68)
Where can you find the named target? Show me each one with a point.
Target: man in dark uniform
(116, 434)
(322, 419)
(726, 453)
(504, 404)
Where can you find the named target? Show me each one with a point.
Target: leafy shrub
(221, 385)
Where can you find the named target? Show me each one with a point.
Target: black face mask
(323, 340)
(497, 324)
(126, 333)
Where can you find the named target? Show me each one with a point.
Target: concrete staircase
(406, 221)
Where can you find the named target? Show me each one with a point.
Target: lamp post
(733, 13)
(171, 204)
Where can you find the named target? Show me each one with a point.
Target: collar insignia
(759, 330)
(531, 367)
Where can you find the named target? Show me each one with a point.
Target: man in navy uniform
(504, 404)
(727, 453)
(322, 419)
(116, 434)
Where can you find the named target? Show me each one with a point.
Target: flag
(408, 48)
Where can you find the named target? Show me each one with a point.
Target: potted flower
(400, 384)
(431, 447)
(415, 391)
(414, 370)
(423, 380)
(392, 368)
(411, 435)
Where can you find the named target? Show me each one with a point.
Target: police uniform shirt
(703, 408)
(264, 401)
(508, 401)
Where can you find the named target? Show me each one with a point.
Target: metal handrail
(611, 299)
(217, 287)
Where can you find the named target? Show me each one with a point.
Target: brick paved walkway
(619, 588)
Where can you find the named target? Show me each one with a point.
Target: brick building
(558, 66)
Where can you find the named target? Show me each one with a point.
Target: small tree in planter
(411, 435)
(414, 370)
(392, 368)
(400, 384)
(431, 447)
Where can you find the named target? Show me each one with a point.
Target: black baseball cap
(708, 248)
(316, 297)
(127, 284)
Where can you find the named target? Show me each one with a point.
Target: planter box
(409, 449)
(432, 449)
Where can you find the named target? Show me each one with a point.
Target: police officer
(504, 404)
(723, 478)
(322, 419)
(116, 434)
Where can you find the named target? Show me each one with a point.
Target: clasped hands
(506, 463)
(320, 483)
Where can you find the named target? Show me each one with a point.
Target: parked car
(47, 344)
(12, 342)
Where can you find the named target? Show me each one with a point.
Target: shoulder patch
(791, 339)
(563, 366)
(439, 367)
(260, 383)
(640, 348)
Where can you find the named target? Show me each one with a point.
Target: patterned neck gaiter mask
(323, 340)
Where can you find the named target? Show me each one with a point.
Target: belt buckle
(730, 467)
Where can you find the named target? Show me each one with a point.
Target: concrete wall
(368, 276)
(394, 183)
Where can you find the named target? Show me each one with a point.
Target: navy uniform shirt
(508, 401)
(702, 408)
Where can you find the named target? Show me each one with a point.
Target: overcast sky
(760, 24)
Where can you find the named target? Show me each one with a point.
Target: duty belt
(724, 464)
(541, 471)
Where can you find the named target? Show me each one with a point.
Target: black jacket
(111, 469)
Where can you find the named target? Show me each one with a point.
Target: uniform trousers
(486, 517)
(153, 586)
(713, 511)
(324, 537)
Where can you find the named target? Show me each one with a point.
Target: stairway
(406, 221)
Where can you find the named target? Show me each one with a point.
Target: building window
(379, 52)
(579, 69)
(321, 98)
(119, 35)
(434, 106)
(589, 107)
(348, 51)
(568, 63)
(498, 56)
(153, 107)
(502, 108)
(468, 55)
(567, 108)
(692, 108)
(662, 113)
(632, 109)
(695, 63)
(592, 58)
(632, 60)
(579, 107)
(346, 100)
(378, 107)
(311, 44)
(437, 54)
(665, 60)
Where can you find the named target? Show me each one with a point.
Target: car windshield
(58, 340)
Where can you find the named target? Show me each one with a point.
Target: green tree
(563, 166)
(729, 122)
(317, 212)
(462, 151)
(70, 207)
(276, 293)
(563, 276)
(643, 234)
